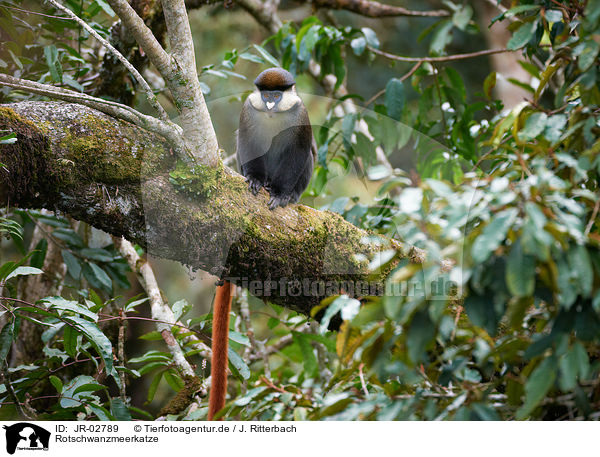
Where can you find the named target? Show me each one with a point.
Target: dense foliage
(500, 319)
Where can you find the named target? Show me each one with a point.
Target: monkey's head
(276, 91)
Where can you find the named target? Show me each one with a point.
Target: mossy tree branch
(124, 180)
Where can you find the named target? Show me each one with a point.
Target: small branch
(170, 131)
(4, 379)
(362, 380)
(403, 78)
(590, 223)
(257, 346)
(268, 18)
(121, 356)
(136, 74)
(469, 55)
(270, 384)
(375, 9)
(159, 309)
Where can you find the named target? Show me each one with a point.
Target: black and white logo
(24, 436)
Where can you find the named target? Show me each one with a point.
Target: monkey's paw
(254, 185)
(279, 200)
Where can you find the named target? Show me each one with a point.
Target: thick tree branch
(116, 177)
(170, 131)
(375, 9)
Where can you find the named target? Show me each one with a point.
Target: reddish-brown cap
(274, 79)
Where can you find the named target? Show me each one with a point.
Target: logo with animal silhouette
(26, 436)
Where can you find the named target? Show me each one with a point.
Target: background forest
(466, 132)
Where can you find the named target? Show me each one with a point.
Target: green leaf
(101, 255)
(97, 277)
(73, 266)
(419, 334)
(24, 271)
(488, 84)
(60, 304)
(70, 341)
(520, 271)
(537, 386)
(180, 308)
(308, 355)
(57, 383)
(70, 399)
(95, 336)
(522, 35)
(69, 236)
(534, 125)
(39, 254)
(441, 38)
(251, 57)
(462, 16)
(240, 366)
(265, 54)
(573, 365)
(581, 267)
(11, 138)
(553, 16)
(482, 313)
(371, 37)
(108, 10)
(555, 127)
(588, 55)
(51, 54)
(493, 234)
(395, 98)
(154, 386)
(119, 410)
(514, 12)
(239, 338)
(358, 45)
(132, 304)
(6, 339)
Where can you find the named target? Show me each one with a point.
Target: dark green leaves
(520, 271)
(394, 98)
(53, 62)
(537, 386)
(493, 234)
(523, 35)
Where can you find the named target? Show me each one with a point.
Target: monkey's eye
(277, 97)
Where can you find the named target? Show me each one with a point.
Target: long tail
(220, 340)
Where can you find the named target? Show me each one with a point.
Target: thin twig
(159, 309)
(255, 345)
(375, 9)
(362, 379)
(36, 13)
(590, 223)
(450, 58)
(136, 74)
(121, 356)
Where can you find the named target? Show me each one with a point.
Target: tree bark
(125, 181)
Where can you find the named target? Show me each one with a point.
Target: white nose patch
(270, 105)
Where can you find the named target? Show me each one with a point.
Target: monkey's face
(272, 102)
(271, 98)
